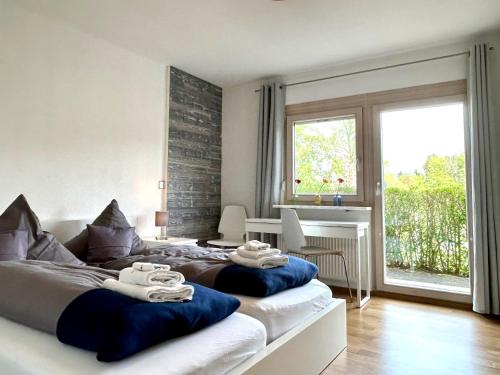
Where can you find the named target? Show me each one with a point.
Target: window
(422, 153)
(323, 148)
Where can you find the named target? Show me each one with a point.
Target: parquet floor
(397, 337)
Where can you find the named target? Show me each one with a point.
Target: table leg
(359, 286)
(360, 302)
(368, 262)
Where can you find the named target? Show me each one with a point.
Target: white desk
(323, 228)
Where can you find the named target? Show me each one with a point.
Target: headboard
(65, 230)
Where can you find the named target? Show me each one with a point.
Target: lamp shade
(161, 218)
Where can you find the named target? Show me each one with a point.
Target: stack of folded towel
(151, 283)
(257, 254)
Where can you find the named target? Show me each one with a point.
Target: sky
(409, 136)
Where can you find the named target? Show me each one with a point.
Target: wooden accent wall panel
(194, 156)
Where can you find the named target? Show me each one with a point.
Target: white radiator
(331, 268)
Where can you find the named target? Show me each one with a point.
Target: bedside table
(153, 242)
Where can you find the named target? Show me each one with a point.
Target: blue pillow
(117, 326)
(257, 282)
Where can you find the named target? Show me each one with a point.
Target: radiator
(331, 268)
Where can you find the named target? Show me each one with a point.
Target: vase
(337, 200)
(317, 199)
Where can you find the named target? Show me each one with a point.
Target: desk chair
(232, 227)
(295, 242)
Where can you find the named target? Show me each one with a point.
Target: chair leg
(316, 259)
(346, 276)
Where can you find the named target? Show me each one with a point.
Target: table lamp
(161, 220)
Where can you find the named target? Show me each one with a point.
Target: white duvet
(282, 311)
(213, 350)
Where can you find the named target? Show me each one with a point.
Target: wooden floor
(397, 337)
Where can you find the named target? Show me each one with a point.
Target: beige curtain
(270, 150)
(485, 185)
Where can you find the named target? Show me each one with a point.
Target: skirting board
(304, 350)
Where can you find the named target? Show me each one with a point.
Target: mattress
(213, 350)
(282, 311)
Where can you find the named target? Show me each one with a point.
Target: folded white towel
(159, 277)
(177, 293)
(143, 266)
(263, 263)
(256, 254)
(255, 245)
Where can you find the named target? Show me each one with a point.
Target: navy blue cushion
(261, 283)
(116, 326)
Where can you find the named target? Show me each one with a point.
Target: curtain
(485, 186)
(270, 150)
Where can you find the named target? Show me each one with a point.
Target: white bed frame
(304, 350)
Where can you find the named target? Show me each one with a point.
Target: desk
(333, 229)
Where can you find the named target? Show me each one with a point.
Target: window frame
(357, 112)
(457, 94)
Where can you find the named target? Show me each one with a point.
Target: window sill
(428, 287)
(322, 207)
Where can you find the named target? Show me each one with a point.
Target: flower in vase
(297, 181)
(339, 182)
(324, 181)
(337, 200)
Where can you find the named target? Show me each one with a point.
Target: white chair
(232, 227)
(295, 241)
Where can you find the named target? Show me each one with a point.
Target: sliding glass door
(421, 198)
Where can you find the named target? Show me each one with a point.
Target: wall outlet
(161, 184)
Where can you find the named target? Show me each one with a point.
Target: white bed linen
(214, 350)
(282, 311)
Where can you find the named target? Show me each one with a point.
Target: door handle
(378, 189)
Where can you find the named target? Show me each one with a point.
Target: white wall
(240, 104)
(81, 121)
(406, 76)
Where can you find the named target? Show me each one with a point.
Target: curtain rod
(375, 69)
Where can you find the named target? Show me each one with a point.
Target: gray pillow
(111, 217)
(41, 245)
(13, 245)
(108, 243)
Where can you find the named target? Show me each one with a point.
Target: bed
(213, 350)
(282, 311)
(297, 341)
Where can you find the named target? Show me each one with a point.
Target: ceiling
(228, 42)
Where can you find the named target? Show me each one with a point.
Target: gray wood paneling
(194, 156)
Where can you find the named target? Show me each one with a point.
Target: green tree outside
(425, 211)
(326, 149)
(426, 218)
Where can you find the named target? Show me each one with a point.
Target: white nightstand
(152, 241)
